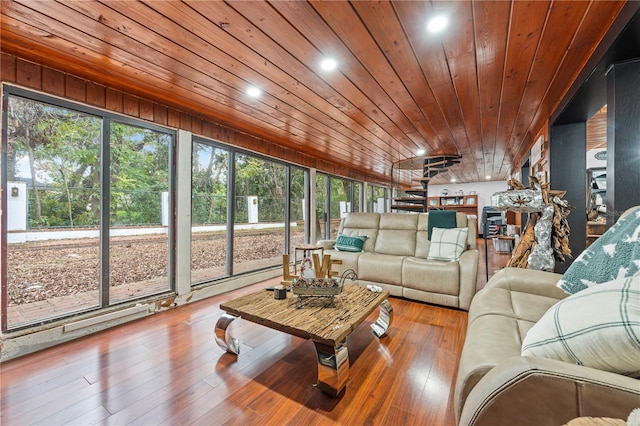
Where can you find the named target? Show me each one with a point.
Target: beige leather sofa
(497, 386)
(395, 258)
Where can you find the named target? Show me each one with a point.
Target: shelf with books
(467, 204)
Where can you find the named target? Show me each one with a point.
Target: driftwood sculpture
(546, 236)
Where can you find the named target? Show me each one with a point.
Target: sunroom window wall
(89, 222)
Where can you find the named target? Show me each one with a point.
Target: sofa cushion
(361, 224)
(616, 254)
(490, 340)
(422, 236)
(383, 268)
(447, 244)
(397, 234)
(362, 220)
(352, 243)
(598, 327)
(513, 304)
(431, 275)
(349, 260)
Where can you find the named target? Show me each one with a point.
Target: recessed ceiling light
(329, 64)
(420, 152)
(254, 92)
(437, 23)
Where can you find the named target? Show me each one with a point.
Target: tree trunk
(32, 168)
(66, 188)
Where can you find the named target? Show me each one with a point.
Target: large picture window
(335, 197)
(259, 223)
(53, 211)
(88, 210)
(377, 199)
(298, 208)
(209, 188)
(89, 202)
(139, 206)
(261, 201)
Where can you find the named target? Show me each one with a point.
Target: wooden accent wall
(53, 82)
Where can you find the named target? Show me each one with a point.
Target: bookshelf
(467, 204)
(463, 203)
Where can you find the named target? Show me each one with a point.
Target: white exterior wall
(17, 206)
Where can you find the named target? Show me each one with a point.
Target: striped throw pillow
(447, 244)
(598, 327)
(352, 243)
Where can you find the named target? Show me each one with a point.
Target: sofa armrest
(531, 281)
(472, 234)
(468, 263)
(326, 244)
(538, 391)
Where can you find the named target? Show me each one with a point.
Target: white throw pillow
(447, 243)
(598, 327)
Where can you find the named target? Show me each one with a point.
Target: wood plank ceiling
(483, 88)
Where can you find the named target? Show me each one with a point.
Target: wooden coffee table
(327, 327)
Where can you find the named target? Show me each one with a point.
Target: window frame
(233, 151)
(106, 117)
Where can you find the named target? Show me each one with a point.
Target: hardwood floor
(167, 369)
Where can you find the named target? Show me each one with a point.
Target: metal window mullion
(327, 207)
(171, 231)
(352, 195)
(287, 210)
(231, 209)
(3, 206)
(105, 200)
(307, 198)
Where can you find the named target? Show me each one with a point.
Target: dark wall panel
(623, 139)
(567, 171)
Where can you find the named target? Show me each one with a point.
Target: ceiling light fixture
(437, 24)
(420, 152)
(487, 177)
(254, 92)
(328, 64)
(453, 180)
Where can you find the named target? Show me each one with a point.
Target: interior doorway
(596, 175)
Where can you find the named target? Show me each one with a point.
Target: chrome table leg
(333, 367)
(223, 339)
(379, 328)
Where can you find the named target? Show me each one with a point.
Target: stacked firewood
(560, 226)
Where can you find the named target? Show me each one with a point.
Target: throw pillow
(598, 327)
(440, 219)
(616, 254)
(353, 243)
(447, 244)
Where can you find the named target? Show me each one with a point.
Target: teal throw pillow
(441, 219)
(615, 255)
(352, 243)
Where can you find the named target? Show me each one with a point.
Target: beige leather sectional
(395, 258)
(497, 386)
